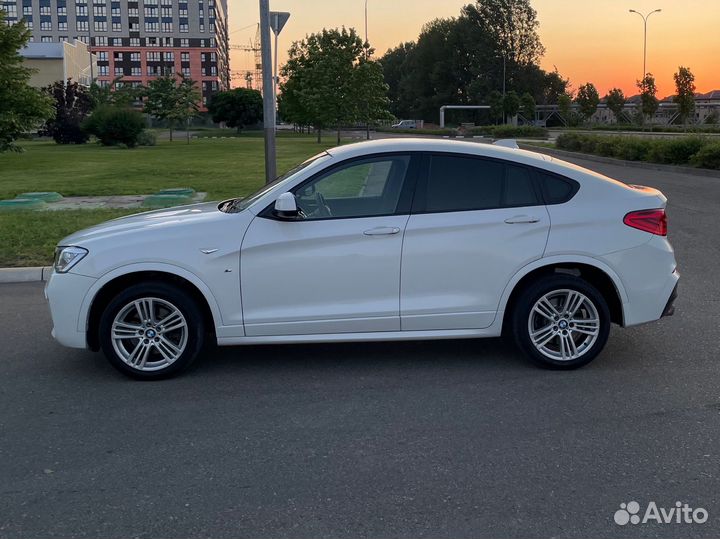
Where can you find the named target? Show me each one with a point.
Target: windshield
(239, 204)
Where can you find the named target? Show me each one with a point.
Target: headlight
(67, 257)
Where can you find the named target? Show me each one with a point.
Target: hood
(194, 214)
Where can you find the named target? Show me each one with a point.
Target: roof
(435, 145)
(42, 50)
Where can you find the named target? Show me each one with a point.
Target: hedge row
(490, 131)
(510, 131)
(691, 150)
(644, 129)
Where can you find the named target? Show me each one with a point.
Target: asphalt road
(429, 439)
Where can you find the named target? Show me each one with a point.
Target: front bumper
(65, 293)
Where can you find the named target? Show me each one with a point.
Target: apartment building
(137, 40)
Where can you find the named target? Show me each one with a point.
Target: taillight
(653, 221)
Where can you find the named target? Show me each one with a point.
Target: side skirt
(492, 331)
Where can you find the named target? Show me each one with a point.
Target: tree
(588, 100)
(172, 99)
(116, 93)
(22, 108)
(491, 45)
(648, 101)
(511, 104)
(73, 104)
(684, 93)
(327, 82)
(393, 64)
(370, 98)
(615, 100)
(186, 104)
(527, 107)
(237, 108)
(564, 102)
(512, 25)
(114, 125)
(495, 100)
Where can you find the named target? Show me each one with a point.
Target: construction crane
(253, 78)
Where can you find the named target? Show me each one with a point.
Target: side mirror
(286, 206)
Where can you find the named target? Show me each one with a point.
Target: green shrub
(510, 131)
(571, 142)
(114, 125)
(675, 151)
(708, 156)
(607, 146)
(632, 148)
(146, 138)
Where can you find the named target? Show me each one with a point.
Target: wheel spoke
(587, 327)
(543, 335)
(546, 309)
(135, 354)
(168, 350)
(570, 346)
(171, 322)
(573, 301)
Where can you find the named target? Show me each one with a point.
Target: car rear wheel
(151, 331)
(561, 322)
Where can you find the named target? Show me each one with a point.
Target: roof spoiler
(507, 143)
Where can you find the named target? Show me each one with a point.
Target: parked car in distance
(405, 124)
(394, 239)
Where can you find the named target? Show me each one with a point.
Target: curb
(621, 162)
(24, 275)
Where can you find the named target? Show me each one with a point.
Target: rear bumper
(669, 309)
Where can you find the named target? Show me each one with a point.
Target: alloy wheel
(149, 334)
(564, 324)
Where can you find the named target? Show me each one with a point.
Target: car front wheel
(561, 322)
(151, 331)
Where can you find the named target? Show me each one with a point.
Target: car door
(475, 222)
(336, 268)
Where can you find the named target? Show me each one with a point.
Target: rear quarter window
(556, 189)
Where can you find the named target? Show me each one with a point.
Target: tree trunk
(171, 130)
(319, 135)
(338, 135)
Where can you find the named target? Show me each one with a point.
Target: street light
(645, 19)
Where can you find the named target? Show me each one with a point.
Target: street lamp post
(367, 47)
(645, 19)
(268, 104)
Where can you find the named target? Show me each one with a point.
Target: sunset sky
(596, 41)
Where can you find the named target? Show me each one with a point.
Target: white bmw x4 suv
(384, 240)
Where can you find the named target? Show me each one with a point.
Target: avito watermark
(681, 513)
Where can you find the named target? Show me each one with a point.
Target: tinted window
(463, 183)
(557, 190)
(358, 189)
(466, 183)
(519, 189)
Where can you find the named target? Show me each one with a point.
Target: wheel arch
(109, 285)
(592, 270)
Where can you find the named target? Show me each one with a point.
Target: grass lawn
(223, 168)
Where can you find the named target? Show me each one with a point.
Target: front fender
(91, 294)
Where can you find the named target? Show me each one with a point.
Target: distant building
(137, 40)
(59, 61)
(707, 107)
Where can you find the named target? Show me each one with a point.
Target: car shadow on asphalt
(487, 354)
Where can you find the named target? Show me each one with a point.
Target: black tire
(175, 297)
(523, 310)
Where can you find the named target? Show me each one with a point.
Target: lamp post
(366, 31)
(268, 101)
(645, 19)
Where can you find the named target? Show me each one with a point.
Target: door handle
(518, 219)
(382, 231)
